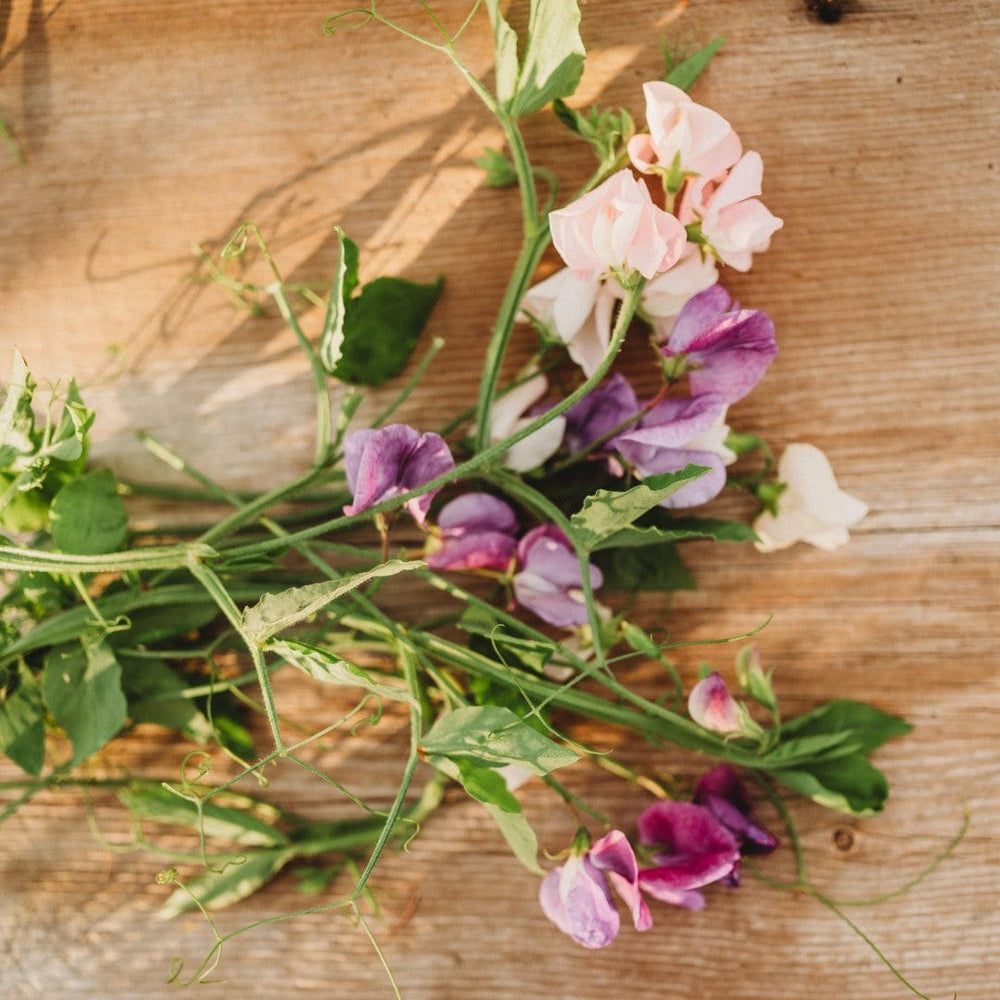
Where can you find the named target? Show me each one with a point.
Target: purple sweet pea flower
(549, 580)
(576, 898)
(692, 849)
(722, 792)
(599, 413)
(676, 433)
(727, 349)
(386, 463)
(477, 531)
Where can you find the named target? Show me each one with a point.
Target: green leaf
(238, 826)
(608, 512)
(82, 688)
(870, 726)
(484, 784)
(493, 736)
(331, 340)
(381, 328)
(519, 836)
(240, 878)
(651, 568)
(685, 73)
(155, 694)
(273, 613)
(850, 784)
(551, 63)
(499, 170)
(808, 748)
(329, 668)
(88, 516)
(22, 732)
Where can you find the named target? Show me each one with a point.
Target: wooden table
(148, 129)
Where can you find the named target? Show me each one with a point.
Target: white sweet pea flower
(507, 417)
(812, 507)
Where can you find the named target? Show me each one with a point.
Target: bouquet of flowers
(568, 488)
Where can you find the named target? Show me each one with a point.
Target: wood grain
(150, 129)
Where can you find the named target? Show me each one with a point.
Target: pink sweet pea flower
(576, 898)
(692, 849)
(697, 138)
(712, 706)
(475, 531)
(549, 581)
(617, 228)
(726, 349)
(734, 221)
(386, 463)
(722, 793)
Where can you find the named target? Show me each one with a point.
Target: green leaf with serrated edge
(494, 736)
(685, 73)
(850, 784)
(273, 613)
(607, 512)
(654, 568)
(519, 835)
(870, 726)
(238, 826)
(345, 280)
(381, 328)
(82, 687)
(322, 665)
(636, 536)
(88, 517)
(242, 877)
(22, 731)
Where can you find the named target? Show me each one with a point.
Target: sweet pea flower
(617, 228)
(692, 849)
(679, 432)
(511, 412)
(664, 297)
(734, 221)
(725, 349)
(388, 462)
(576, 898)
(476, 531)
(548, 581)
(722, 793)
(578, 311)
(598, 414)
(712, 706)
(812, 508)
(697, 138)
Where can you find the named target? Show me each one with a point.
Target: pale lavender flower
(576, 898)
(599, 413)
(726, 349)
(722, 793)
(388, 462)
(476, 531)
(692, 849)
(549, 581)
(679, 432)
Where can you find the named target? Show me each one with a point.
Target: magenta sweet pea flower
(576, 898)
(679, 432)
(548, 581)
(691, 849)
(726, 349)
(388, 462)
(722, 793)
(476, 531)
